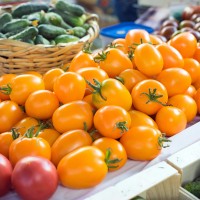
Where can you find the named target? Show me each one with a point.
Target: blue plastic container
(120, 30)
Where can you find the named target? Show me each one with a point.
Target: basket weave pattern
(18, 57)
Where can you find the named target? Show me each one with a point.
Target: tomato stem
(120, 79)
(101, 57)
(6, 89)
(114, 45)
(87, 48)
(109, 162)
(122, 126)
(96, 87)
(29, 132)
(152, 96)
(161, 140)
(15, 134)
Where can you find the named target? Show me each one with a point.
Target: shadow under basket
(17, 57)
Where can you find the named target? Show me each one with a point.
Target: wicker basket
(18, 57)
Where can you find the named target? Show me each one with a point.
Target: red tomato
(74, 166)
(35, 178)
(149, 96)
(41, 104)
(176, 80)
(5, 175)
(185, 43)
(112, 121)
(142, 143)
(171, 56)
(171, 120)
(10, 114)
(112, 66)
(148, 59)
(72, 116)
(69, 86)
(116, 156)
(68, 142)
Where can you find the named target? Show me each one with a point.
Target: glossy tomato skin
(141, 143)
(117, 152)
(112, 66)
(23, 147)
(5, 175)
(10, 114)
(68, 142)
(23, 85)
(74, 166)
(141, 99)
(171, 120)
(69, 86)
(114, 93)
(176, 80)
(35, 178)
(148, 60)
(171, 56)
(73, 115)
(107, 121)
(41, 104)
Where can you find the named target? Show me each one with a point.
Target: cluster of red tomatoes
(119, 103)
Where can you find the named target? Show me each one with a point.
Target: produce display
(73, 125)
(189, 21)
(39, 23)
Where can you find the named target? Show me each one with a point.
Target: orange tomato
(23, 85)
(192, 66)
(155, 40)
(120, 43)
(34, 73)
(185, 43)
(6, 139)
(197, 99)
(68, 142)
(26, 123)
(112, 121)
(148, 59)
(49, 134)
(141, 119)
(116, 156)
(191, 91)
(112, 66)
(41, 104)
(69, 86)
(142, 143)
(196, 55)
(171, 120)
(196, 84)
(176, 80)
(89, 74)
(149, 96)
(88, 99)
(135, 37)
(171, 56)
(27, 146)
(4, 80)
(10, 114)
(186, 103)
(50, 76)
(74, 166)
(73, 115)
(111, 92)
(130, 77)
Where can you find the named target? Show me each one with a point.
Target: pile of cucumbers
(38, 23)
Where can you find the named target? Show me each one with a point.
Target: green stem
(87, 48)
(96, 87)
(122, 126)
(109, 162)
(153, 97)
(161, 140)
(101, 57)
(15, 134)
(120, 79)
(6, 89)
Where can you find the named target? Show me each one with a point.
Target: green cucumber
(72, 8)
(39, 39)
(28, 8)
(77, 31)
(2, 35)
(66, 39)
(15, 24)
(4, 19)
(50, 31)
(27, 34)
